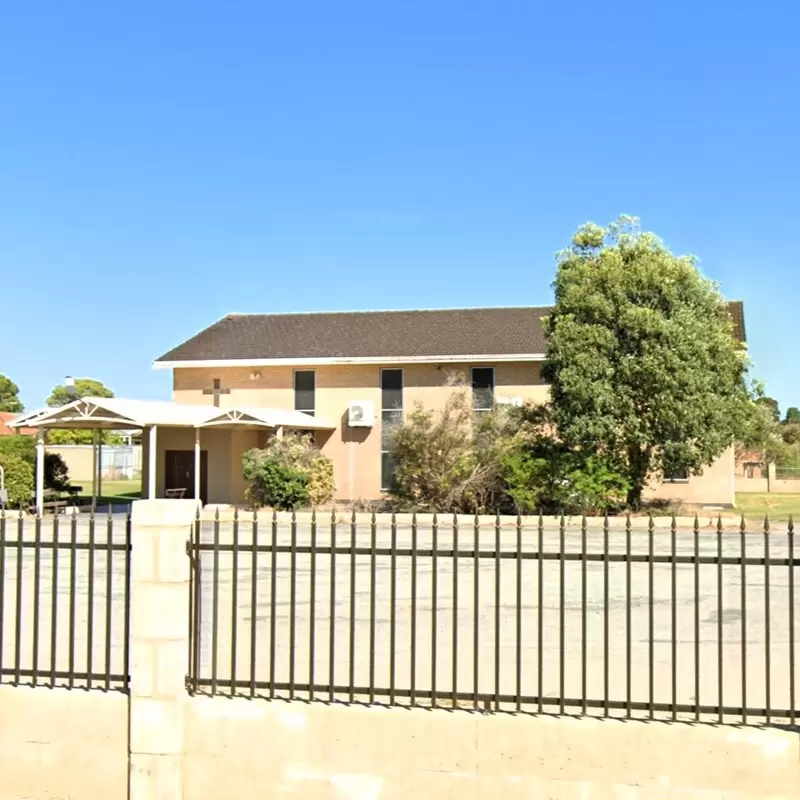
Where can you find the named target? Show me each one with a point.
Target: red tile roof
(5, 418)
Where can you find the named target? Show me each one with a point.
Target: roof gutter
(343, 360)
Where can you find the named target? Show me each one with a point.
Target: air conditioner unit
(361, 414)
(509, 401)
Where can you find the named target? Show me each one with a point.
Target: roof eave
(344, 360)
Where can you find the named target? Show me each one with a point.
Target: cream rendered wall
(716, 486)
(56, 743)
(247, 749)
(355, 452)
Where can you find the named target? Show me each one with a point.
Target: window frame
(483, 410)
(313, 411)
(676, 479)
(393, 411)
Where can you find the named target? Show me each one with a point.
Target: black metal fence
(501, 615)
(65, 600)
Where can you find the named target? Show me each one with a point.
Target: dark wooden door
(179, 472)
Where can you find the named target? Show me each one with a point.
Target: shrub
(272, 483)
(289, 472)
(543, 474)
(56, 473)
(450, 460)
(18, 480)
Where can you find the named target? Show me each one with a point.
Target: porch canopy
(118, 413)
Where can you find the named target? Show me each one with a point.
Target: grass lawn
(113, 491)
(779, 507)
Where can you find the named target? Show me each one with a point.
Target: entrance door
(179, 472)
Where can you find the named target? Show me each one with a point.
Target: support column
(99, 463)
(159, 646)
(94, 469)
(152, 460)
(40, 471)
(197, 464)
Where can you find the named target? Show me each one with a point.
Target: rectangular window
(391, 419)
(482, 389)
(676, 475)
(305, 386)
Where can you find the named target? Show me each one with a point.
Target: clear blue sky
(164, 163)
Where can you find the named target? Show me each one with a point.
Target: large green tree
(84, 387)
(61, 395)
(771, 404)
(642, 358)
(9, 396)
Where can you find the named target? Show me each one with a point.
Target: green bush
(450, 460)
(271, 483)
(543, 475)
(18, 480)
(289, 472)
(56, 474)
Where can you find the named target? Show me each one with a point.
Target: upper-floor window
(391, 418)
(675, 475)
(482, 389)
(305, 390)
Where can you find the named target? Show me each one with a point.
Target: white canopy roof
(118, 413)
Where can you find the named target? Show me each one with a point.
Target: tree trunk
(639, 469)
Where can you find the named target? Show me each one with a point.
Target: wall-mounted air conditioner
(361, 414)
(509, 401)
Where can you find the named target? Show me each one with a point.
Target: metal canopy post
(151, 463)
(197, 463)
(99, 463)
(94, 469)
(39, 471)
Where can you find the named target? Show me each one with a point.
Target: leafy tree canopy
(793, 414)
(642, 359)
(9, 396)
(84, 387)
(60, 396)
(772, 406)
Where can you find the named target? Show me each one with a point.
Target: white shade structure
(117, 413)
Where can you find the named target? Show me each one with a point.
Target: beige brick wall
(56, 743)
(355, 452)
(246, 750)
(714, 487)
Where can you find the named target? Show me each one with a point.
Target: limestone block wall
(250, 749)
(56, 743)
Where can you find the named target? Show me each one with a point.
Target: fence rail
(637, 622)
(65, 601)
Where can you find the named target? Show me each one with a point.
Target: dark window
(304, 391)
(391, 389)
(482, 388)
(391, 419)
(676, 475)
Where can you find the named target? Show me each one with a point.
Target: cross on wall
(217, 391)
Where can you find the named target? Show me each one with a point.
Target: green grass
(112, 491)
(779, 507)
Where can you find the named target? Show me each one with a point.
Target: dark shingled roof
(377, 334)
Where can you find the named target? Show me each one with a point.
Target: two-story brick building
(355, 373)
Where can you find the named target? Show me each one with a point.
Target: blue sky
(164, 163)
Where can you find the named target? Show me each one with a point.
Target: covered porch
(191, 451)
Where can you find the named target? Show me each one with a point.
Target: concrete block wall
(161, 744)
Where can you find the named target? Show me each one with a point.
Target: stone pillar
(159, 645)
